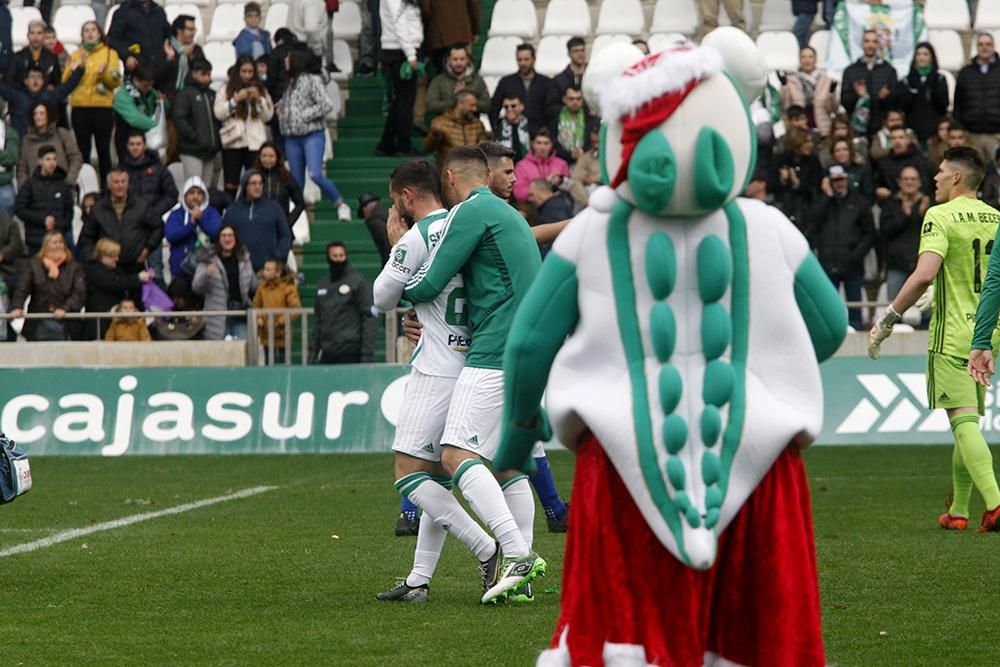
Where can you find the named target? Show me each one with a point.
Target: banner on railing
(337, 409)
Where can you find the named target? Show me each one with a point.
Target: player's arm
(548, 314)
(390, 283)
(547, 233)
(981, 366)
(447, 259)
(928, 265)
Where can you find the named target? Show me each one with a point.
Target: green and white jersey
(961, 232)
(488, 242)
(445, 337)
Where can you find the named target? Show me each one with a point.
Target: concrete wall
(102, 354)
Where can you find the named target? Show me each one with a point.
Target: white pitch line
(128, 521)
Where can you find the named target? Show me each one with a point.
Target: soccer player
(437, 362)
(490, 244)
(955, 242)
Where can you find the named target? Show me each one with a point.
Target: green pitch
(288, 576)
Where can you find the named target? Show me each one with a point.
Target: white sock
(430, 541)
(517, 493)
(449, 515)
(482, 490)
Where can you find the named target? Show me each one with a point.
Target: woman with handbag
(244, 111)
(302, 115)
(91, 100)
(56, 285)
(227, 281)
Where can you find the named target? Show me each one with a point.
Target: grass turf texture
(262, 580)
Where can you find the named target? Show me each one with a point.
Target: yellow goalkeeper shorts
(950, 386)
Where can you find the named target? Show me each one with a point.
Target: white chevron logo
(895, 405)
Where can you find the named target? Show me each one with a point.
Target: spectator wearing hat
(840, 229)
(375, 215)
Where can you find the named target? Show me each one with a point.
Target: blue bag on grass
(15, 471)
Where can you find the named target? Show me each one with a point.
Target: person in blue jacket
(193, 214)
(262, 225)
(21, 100)
(253, 40)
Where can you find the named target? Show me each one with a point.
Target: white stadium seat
(20, 18)
(88, 181)
(567, 17)
(776, 15)
(347, 21)
(946, 15)
(948, 47)
(491, 84)
(107, 19)
(662, 41)
(675, 16)
(620, 16)
(499, 56)
(174, 10)
(342, 57)
(603, 41)
(277, 17)
(69, 19)
(333, 91)
(988, 15)
(227, 22)
(780, 50)
(950, 79)
(551, 56)
(222, 55)
(514, 18)
(820, 43)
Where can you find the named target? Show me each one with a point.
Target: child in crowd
(53, 44)
(252, 41)
(131, 329)
(276, 290)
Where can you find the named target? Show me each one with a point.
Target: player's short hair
(419, 175)
(495, 152)
(467, 160)
(45, 150)
(969, 162)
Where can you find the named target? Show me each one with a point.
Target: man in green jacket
(459, 74)
(135, 107)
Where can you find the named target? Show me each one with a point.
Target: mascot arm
(547, 315)
(824, 313)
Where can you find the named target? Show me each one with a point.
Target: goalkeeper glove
(926, 300)
(881, 330)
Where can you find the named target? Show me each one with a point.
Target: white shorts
(475, 412)
(422, 416)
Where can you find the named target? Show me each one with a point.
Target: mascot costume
(677, 331)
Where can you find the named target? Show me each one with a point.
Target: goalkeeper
(955, 243)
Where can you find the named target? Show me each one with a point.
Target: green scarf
(570, 129)
(923, 71)
(90, 47)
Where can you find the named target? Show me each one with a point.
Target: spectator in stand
(586, 174)
(576, 49)
(170, 326)
(244, 109)
(137, 32)
(881, 141)
(904, 153)
(262, 225)
(194, 221)
(459, 126)
(10, 154)
(841, 128)
(539, 163)
(448, 23)
(91, 100)
(371, 33)
(899, 225)
(253, 40)
(459, 75)
(868, 87)
(805, 13)
(44, 132)
(302, 112)
(35, 54)
(512, 132)
(841, 231)
(123, 216)
(797, 177)
(128, 329)
(375, 215)
(977, 97)
(572, 128)
(134, 105)
(501, 163)
(813, 90)
(107, 285)
(21, 100)
(990, 192)
(551, 205)
(708, 16)
(278, 182)
(859, 176)
(642, 45)
(537, 91)
(938, 144)
(285, 42)
(227, 281)
(6, 40)
(179, 53)
(197, 128)
(56, 285)
(53, 44)
(276, 289)
(12, 251)
(343, 325)
(307, 19)
(757, 187)
(402, 33)
(147, 177)
(45, 201)
(957, 136)
(923, 94)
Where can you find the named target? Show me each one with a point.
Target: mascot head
(677, 139)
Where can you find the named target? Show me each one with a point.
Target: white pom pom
(609, 63)
(740, 59)
(603, 199)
